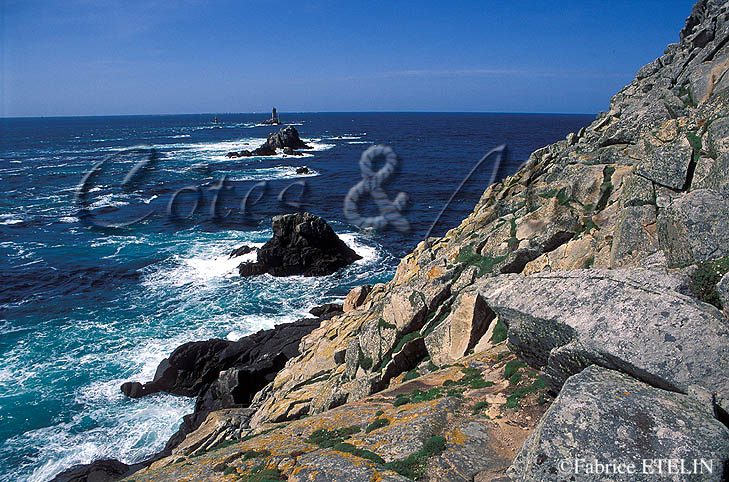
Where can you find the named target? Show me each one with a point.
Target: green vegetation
(379, 412)
(410, 336)
(329, 438)
(363, 453)
(561, 195)
(383, 324)
(411, 375)
(589, 262)
(366, 363)
(512, 367)
(479, 406)
(512, 401)
(500, 332)
(695, 142)
(228, 470)
(606, 188)
(261, 474)
(705, 278)
(413, 465)
(415, 294)
(472, 379)
(377, 423)
(485, 264)
(255, 454)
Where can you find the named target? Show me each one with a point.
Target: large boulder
(603, 416)
(461, 330)
(694, 228)
(302, 244)
(634, 320)
(286, 137)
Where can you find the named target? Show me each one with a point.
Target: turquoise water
(83, 310)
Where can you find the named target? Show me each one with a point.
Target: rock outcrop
(302, 244)
(287, 139)
(606, 417)
(98, 471)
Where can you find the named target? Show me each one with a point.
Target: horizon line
(298, 112)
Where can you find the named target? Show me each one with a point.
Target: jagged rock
(609, 417)
(717, 137)
(241, 251)
(286, 137)
(635, 235)
(694, 228)
(259, 356)
(291, 152)
(461, 330)
(106, 470)
(634, 320)
(667, 165)
(356, 297)
(264, 150)
(243, 153)
(302, 244)
(326, 311)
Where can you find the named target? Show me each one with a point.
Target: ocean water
(84, 308)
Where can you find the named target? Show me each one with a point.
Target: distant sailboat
(215, 121)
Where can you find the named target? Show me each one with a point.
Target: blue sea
(89, 300)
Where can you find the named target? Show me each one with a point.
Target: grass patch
(379, 412)
(377, 423)
(512, 367)
(329, 438)
(366, 363)
(362, 453)
(410, 336)
(261, 474)
(255, 454)
(411, 375)
(589, 262)
(413, 465)
(705, 278)
(479, 406)
(383, 324)
(485, 264)
(512, 401)
(500, 332)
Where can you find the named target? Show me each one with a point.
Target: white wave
(107, 201)
(317, 145)
(11, 221)
(68, 219)
(359, 142)
(180, 136)
(271, 173)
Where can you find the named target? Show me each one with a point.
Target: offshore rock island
(580, 312)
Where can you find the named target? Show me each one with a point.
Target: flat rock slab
(330, 465)
(633, 320)
(606, 416)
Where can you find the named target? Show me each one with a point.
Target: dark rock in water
(264, 150)
(302, 170)
(97, 471)
(243, 153)
(240, 251)
(227, 374)
(194, 366)
(326, 311)
(302, 244)
(291, 152)
(286, 137)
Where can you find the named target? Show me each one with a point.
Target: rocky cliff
(596, 274)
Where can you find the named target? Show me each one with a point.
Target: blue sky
(84, 57)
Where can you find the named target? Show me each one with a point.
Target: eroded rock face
(607, 416)
(302, 244)
(634, 320)
(356, 297)
(694, 227)
(461, 330)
